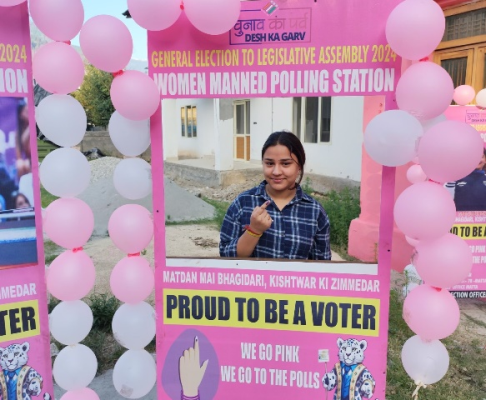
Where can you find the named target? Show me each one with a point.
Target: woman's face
(21, 202)
(280, 168)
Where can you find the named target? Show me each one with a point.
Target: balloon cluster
(107, 44)
(132, 280)
(442, 151)
(65, 173)
(156, 15)
(69, 222)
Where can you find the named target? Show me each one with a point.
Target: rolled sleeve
(230, 231)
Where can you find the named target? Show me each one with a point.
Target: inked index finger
(196, 348)
(265, 205)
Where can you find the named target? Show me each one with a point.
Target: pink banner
(280, 49)
(271, 329)
(239, 329)
(25, 360)
(470, 198)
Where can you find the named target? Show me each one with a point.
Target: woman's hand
(260, 219)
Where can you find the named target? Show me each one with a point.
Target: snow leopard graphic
(18, 381)
(349, 376)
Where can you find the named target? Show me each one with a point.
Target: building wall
(341, 158)
(176, 145)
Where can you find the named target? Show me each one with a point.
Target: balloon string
(77, 249)
(118, 73)
(416, 391)
(424, 59)
(134, 255)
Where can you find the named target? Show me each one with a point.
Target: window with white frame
(312, 119)
(189, 121)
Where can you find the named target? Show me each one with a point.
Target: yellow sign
(469, 231)
(289, 312)
(19, 320)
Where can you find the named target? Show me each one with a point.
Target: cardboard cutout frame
(183, 64)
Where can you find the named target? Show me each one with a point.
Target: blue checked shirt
(299, 231)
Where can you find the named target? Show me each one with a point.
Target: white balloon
(70, 322)
(65, 172)
(133, 178)
(131, 138)
(391, 138)
(431, 122)
(134, 325)
(134, 374)
(481, 98)
(62, 119)
(425, 362)
(75, 367)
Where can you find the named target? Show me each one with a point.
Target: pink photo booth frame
(24, 325)
(283, 48)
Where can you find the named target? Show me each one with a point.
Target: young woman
(277, 219)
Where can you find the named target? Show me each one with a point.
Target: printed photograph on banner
(18, 245)
(469, 195)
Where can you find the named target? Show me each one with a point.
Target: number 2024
(12, 53)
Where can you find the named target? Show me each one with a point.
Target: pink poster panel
(25, 362)
(271, 330)
(294, 48)
(470, 199)
(257, 329)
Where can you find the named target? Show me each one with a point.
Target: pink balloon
(155, 15)
(425, 210)
(131, 228)
(71, 276)
(213, 17)
(135, 95)
(132, 280)
(58, 68)
(464, 94)
(82, 394)
(431, 313)
(412, 242)
(106, 43)
(59, 20)
(10, 3)
(425, 90)
(415, 28)
(415, 174)
(443, 262)
(450, 151)
(68, 222)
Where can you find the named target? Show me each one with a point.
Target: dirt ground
(189, 241)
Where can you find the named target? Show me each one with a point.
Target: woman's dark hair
(292, 142)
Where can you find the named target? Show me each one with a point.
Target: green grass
(341, 207)
(51, 251)
(46, 197)
(466, 378)
(104, 307)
